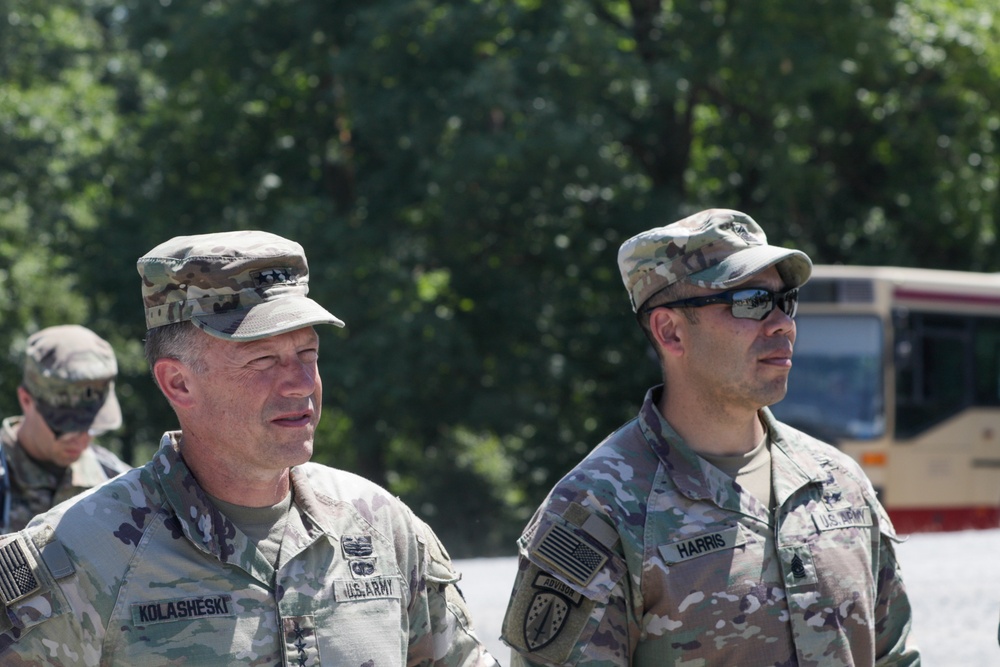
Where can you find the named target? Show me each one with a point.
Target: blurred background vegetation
(461, 175)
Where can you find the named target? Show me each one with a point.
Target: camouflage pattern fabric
(146, 571)
(241, 285)
(647, 555)
(70, 372)
(716, 248)
(35, 489)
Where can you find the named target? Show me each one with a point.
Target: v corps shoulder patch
(18, 572)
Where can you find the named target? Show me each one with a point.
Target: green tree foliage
(57, 118)
(462, 174)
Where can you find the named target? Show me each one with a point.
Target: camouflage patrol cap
(238, 286)
(69, 372)
(716, 248)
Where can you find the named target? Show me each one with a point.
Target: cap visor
(795, 267)
(109, 417)
(269, 318)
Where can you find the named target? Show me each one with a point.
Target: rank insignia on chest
(358, 546)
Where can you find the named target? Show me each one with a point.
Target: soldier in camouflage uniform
(229, 547)
(67, 396)
(705, 532)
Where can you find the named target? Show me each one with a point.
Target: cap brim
(794, 266)
(109, 417)
(75, 419)
(269, 318)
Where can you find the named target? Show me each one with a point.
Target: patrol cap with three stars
(70, 373)
(238, 286)
(716, 248)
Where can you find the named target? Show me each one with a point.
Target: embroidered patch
(701, 545)
(357, 546)
(272, 276)
(846, 518)
(545, 619)
(570, 555)
(161, 611)
(301, 647)
(17, 572)
(362, 567)
(834, 500)
(798, 567)
(544, 580)
(346, 590)
(797, 564)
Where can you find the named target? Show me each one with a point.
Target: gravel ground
(953, 580)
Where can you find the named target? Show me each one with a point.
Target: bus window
(952, 362)
(835, 387)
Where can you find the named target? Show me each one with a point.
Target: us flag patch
(17, 578)
(571, 556)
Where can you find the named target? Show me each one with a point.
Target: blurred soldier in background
(229, 547)
(705, 532)
(67, 397)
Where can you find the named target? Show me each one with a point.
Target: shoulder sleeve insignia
(17, 571)
(569, 555)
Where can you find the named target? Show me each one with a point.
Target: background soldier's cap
(716, 248)
(69, 372)
(237, 286)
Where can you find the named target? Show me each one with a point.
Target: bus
(900, 369)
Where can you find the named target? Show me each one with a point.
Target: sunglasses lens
(752, 304)
(789, 302)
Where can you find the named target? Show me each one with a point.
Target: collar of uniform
(693, 477)
(310, 508)
(792, 468)
(201, 522)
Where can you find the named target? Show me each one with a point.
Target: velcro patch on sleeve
(569, 555)
(19, 576)
(546, 619)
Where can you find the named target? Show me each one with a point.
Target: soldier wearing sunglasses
(67, 396)
(704, 531)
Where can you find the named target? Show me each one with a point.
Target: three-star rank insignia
(545, 619)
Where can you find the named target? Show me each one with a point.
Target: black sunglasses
(753, 303)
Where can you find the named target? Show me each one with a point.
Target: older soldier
(704, 531)
(229, 547)
(67, 396)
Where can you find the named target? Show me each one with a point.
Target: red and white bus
(900, 368)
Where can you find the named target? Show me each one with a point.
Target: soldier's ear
(172, 377)
(24, 399)
(664, 325)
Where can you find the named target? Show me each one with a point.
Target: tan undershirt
(263, 526)
(752, 470)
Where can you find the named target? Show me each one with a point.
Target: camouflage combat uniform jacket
(146, 571)
(647, 555)
(35, 489)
